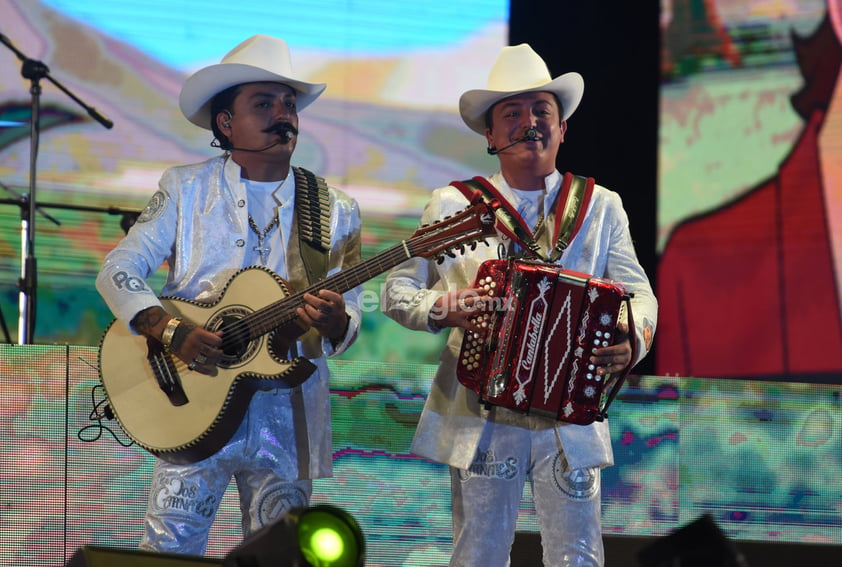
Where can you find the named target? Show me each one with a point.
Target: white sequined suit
(493, 452)
(197, 222)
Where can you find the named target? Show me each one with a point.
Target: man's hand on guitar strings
(614, 358)
(325, 312)
(197, 346)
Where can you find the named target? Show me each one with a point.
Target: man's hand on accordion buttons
(460, 308)
(614, 358)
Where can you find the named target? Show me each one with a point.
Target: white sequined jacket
(197, 223)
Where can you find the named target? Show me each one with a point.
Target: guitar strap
(576, 192)
(310, 241)
(312, 206)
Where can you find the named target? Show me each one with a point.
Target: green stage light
(324, 543)
(318, 536)
(330, 537)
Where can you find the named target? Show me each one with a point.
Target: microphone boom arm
(531, 135)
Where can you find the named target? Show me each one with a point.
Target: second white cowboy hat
(519, 69)
(260, 58)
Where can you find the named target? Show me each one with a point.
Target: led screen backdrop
(750, 190)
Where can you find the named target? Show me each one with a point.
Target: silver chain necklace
(261, 237)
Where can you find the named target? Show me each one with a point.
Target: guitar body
(195, 422)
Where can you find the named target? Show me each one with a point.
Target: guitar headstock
(467, 226)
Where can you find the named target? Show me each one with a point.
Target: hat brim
(200, 88)
(475, 103)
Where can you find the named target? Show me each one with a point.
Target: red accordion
(539, 329)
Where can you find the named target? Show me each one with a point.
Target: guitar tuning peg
(473, 246)
(450, 253)
(461, 249)
(440, 260)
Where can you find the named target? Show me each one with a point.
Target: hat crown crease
(518, 71)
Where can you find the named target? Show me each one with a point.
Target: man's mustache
(284, 129)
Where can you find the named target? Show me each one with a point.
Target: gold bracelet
(169, 331)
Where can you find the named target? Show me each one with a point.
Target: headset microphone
(285, 131)
(531, 135)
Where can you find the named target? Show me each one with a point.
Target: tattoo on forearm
(147, 319)
(180, 335)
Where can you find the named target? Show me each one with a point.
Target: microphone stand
(129, 216)
(22, 201)
(35, 71)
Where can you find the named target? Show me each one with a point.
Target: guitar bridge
(163, 367)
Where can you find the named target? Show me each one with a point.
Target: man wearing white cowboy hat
(491, 451)
(208, 221)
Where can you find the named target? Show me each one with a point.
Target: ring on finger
(463, 305)
(191, 366)
(200, 359)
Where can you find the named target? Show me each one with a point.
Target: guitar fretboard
(283, 311)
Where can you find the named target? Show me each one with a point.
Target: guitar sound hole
(236, 344)
(232, 345)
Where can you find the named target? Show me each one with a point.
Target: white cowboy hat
(519, 69)
(260, 58)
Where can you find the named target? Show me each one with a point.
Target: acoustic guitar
(183, 416)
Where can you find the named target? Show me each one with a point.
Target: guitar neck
(283, 311)
(469, 225)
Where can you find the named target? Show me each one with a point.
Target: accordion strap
(576, 191)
